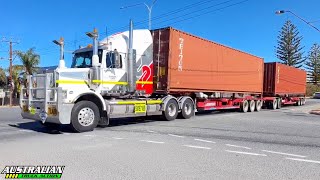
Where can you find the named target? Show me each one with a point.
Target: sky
(248, 25)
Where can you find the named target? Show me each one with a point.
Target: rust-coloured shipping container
(186, 63)
(280, 79)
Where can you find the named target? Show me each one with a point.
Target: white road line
(156, 142)
(231, 145)
(89, 135)
(202, 140)
(151, 131)
(284, 153)
(118, 138)
(176, 135)
(304, 160)
(24, 130)
(197, 147)
(240, 152)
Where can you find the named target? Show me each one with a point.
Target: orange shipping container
(183, 62)
(280, 79)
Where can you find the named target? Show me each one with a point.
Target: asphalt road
(279, 144)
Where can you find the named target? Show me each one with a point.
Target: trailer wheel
(85, 116)
(279, 103)
(171, 110)
(244, 106)
(298, 103)
(274, 104)
(252, 106)
(187, 109)
(258, 105)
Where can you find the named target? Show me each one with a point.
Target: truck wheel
(258, 105)
(279, 103)
(171, 110)
(274, 104)
(252, 106)
(187, 110)
(244, 106)
(85, 116)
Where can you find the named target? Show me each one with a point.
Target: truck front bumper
(63, 115)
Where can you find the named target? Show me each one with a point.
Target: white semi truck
(137, 73)
(109, 79)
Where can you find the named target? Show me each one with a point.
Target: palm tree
(16, 72)
(30, 60)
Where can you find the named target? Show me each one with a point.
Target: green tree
(3, 77)
(289, 50)
(30, 60)
(16, 71)
(313, 63)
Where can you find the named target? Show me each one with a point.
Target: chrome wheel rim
(86, 116)
(187, 109)
(252, 105)
(172, 110)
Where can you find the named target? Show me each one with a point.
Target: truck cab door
(114, 77)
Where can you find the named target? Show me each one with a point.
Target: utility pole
(149, 7)
(10, 67)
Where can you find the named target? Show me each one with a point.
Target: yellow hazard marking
(144, 82)
(154, 102)
(32, 110)
(110, 82)
(140, 102)
(70, 81)
(12, 176)
(131, 102)
(100, 82)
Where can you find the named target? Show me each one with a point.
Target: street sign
(2, 94)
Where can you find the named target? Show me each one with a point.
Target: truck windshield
(84, 59)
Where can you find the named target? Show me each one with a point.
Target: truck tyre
(252, 106)
(274, 104)
(85, 116)
(171, 110)
(258, 105)
(187, 109)
(279, 103)
(244, 106)
(298, 103)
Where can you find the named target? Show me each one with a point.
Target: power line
(176, 11)
(161, 16)
(171, 12)
(215, 10)
(199, 10)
